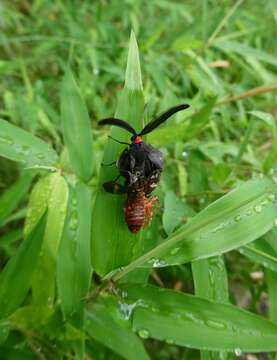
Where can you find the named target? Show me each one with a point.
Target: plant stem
(249, 93)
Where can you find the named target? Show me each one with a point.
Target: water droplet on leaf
(143, 333)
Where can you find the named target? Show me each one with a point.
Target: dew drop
(238, 351)
(169, 341)
(143, 333)
(275, 222)
(257, 208)
(215, 324)
(126, 310)
(249, 212)
(174, 251)
(8, 140)
(124, 294)
(40, 156)
(158, 263)
(237, 218)
(74, 202)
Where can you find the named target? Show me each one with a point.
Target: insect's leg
(113, 187)
(148, 213)
(109, 164)
(119, 142)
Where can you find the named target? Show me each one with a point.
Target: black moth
(140, 161)
(141, 166)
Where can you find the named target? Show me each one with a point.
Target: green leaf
(190, 321)
(76, 128)
(261, 252)
(174, 211)
(270, 121)
(271, 279)
(241, 216)
(16, 277)
(44, 296)
(73, 264)
(18, 145)
(245, 51)
(101, 326)
(37, 204)
(211, 283)
(112, 243)
(133, 81)
(13, 195)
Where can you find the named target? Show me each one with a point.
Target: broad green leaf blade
(245, 51)
(73, 264)
(76, 128)
(210, 279)
(240, 217)
(190, 321)
(271, 277)
(133, 80)
(211, 283)
(174, 211)
(15, 279)
(261, 252)
(37, 204)
(44, 296)
(102, 327)
(19, 145)
(112, 243)
(13, 195)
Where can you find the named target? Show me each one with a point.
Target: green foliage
(74, 282)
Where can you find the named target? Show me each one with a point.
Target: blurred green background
(191, 51)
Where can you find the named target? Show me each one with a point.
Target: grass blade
(15, 279)
(261, 252)
(44, 296)
(271, 277)
(245, 51)
(101, 326)
(190, 321)
(211, 283)
(73, 265)
(241, 216)
(19, 145)
(76, 128)
(112, 245)
(13, 195)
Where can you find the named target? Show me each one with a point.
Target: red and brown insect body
(138, 210)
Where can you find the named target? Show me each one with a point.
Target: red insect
(138, 209)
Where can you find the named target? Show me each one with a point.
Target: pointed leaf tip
(133, 79)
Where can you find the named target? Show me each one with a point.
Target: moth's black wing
(156, 157)
(114, 188)
(162, 118)
(126, 162)
(117, 122)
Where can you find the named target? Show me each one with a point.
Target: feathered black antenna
(120, 123)
(162, 118)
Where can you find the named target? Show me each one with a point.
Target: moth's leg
(109, 164)
(119, 142)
